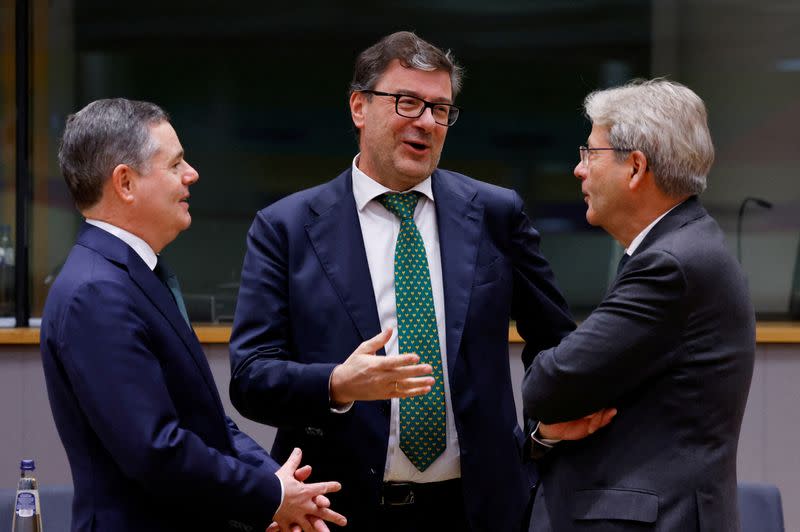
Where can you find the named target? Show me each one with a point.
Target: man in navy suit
(325, 286)
(132, 395)
(671, 346)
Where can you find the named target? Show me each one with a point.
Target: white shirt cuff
(337, 409)
(341, 409)
(547, 442)
(282, 493)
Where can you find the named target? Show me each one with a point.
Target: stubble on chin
(418, 171)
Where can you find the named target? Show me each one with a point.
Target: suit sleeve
(105, 349)
(617, 348)
(268, 383)
(249, 450)
(539, 308)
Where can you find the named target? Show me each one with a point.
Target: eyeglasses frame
(425, 105)
(583, 153)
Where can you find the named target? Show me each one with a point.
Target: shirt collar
(638, 240)
(366, 189)
(141, 247)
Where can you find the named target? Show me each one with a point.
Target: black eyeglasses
(408, 106)
(583, 151)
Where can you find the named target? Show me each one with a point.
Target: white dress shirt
(379, 228)
(141, 247)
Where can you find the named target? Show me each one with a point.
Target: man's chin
(416, 173)
(186, 223)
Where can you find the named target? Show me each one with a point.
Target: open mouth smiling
(416, 146)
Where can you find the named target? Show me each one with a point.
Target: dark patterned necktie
(166, 276)
(423, 427)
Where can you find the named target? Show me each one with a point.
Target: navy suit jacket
(672, 348)
(136, 407)
(306, 302)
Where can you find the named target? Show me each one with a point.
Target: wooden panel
(766, 333)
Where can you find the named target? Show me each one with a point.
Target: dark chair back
(760, 508)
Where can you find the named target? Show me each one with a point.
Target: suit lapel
(459, 219)
(160, 296)
(335, 234)
(117, 251)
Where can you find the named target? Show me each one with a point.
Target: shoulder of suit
(697, 246)
(298, 203)
(469, 187)
(87, 274)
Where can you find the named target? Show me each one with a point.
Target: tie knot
(401, 205)
(169, 279)
(162, 271)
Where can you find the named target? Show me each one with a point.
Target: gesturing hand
(578, 428)
(366, 377)
(304, 506)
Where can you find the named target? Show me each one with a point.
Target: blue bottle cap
(27, 465)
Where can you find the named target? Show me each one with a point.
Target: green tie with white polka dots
(422, 419)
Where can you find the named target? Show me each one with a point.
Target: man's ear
(639, 169)
(123, 182)
(357, 108)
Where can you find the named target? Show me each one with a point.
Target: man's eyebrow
(415, 94)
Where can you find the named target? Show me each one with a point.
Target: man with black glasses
(397, 257)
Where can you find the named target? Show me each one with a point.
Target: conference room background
(258, 95)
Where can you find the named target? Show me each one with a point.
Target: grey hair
(101, 136)
(664, 120)
(412, 52)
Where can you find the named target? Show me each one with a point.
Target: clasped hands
(304, 507)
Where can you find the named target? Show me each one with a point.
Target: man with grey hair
(671, 346)
(425, 438)
(132, 395)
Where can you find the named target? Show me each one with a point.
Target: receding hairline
(412, 92)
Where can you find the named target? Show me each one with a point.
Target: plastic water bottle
(27, 512)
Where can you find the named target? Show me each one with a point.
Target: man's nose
(191, 176)
(580, 170)
(426, 119)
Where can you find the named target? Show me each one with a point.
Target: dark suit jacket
(136, 407)
(306, 302)
(672, 347)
